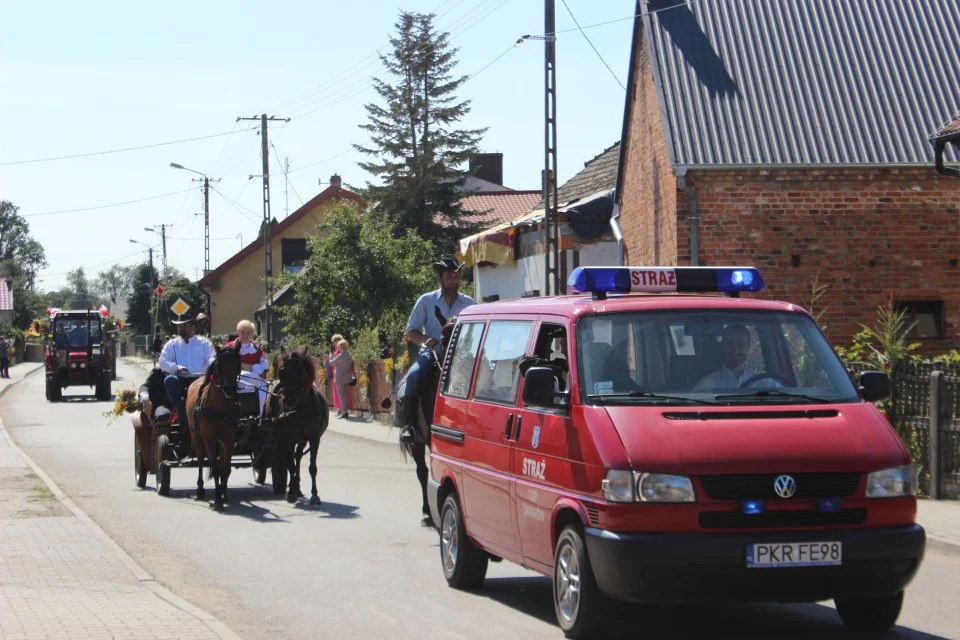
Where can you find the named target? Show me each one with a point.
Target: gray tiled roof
(804, 82)
(598, 174)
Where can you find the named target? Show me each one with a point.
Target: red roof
(497, 207)
(330, 193)
(949, 129)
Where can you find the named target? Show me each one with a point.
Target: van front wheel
(870, 614)
(464, 564)
(577, 601)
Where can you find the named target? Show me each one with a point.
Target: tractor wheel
(103, 387)
(163, 471)
(139, 464)
(54, 392)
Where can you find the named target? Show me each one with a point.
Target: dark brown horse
(213, 415)
(300, 416)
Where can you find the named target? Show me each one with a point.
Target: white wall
(527, 274)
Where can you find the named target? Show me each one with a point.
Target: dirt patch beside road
(26, 496)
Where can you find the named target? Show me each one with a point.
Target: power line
(236, 205)
(105, 206)
(342, 153)
(102, 153)
(585, 37)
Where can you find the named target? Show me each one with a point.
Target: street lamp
(206, 214)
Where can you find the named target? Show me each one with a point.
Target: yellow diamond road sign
(179, 307)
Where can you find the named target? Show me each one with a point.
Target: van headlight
(895, 482)
(632, 486)
(662, 487)
(618, 486)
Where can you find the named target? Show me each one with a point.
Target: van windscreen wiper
(771, 393)
(652, 396)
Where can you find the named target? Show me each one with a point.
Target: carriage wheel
(163, 471)
(139, 464)
(54, 392)
(279, 477)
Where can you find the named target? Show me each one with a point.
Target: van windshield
(708, 357)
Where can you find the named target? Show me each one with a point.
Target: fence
(924, 408)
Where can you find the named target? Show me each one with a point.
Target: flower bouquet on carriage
(126, 401)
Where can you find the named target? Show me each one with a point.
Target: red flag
(104, 312)
(160, 290)
(120, 324)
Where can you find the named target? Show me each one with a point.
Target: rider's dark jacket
(154, 389)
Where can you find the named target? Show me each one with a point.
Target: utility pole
(267, 239)
(551, 226)
(286, 186)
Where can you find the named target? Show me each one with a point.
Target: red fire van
(647, 447)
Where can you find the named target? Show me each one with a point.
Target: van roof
(579, 305)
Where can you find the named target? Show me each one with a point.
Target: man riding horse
(430, 326)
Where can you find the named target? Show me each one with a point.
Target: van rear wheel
(577, 601)
(870, 614)
(464, 564)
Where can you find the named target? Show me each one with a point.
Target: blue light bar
(603, 280)
(753, 507)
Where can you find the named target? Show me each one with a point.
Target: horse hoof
(291, 497)
(218, 506)
(315, 500)
(201, 495)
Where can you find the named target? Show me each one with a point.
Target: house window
(926, 316)
(293, 254)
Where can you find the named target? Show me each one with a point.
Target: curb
(214, 624)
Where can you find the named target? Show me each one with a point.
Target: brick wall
(870, 235)
(649, 194)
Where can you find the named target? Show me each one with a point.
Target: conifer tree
(416, 149)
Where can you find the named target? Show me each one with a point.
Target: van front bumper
(710, 568)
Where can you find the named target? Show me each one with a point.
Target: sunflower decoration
(126, 401)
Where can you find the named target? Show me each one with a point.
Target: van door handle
(509, 430)
(516, 435)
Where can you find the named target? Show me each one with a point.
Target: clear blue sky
(80, 78)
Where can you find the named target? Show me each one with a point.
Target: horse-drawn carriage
(227, 430)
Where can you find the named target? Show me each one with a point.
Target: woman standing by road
(342, 363)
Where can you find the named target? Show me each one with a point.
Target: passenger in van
(734, 372)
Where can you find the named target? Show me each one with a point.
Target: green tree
(114, 284)
(21, 258)
(141, 298)
(179, 288)
(357, 273)
(415, 147)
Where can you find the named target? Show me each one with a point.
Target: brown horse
(213, 415)
(300, 416)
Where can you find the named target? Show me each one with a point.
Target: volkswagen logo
(785, 486)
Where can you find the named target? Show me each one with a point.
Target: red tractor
(77, 354)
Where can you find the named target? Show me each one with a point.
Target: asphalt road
(359, 566)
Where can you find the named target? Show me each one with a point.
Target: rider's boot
(407, 413)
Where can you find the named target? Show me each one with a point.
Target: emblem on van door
(785, 486)
(536, 437)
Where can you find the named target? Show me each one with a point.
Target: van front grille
(737, 520)
(759, 486)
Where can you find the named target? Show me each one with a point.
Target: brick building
(793, 136)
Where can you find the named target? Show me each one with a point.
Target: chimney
(335, 181)
(488, 166)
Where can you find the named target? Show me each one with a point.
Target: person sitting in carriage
(253, 367)
(184, 359)
(156, 408)
(425, 328)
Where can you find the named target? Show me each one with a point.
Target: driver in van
(734, 372)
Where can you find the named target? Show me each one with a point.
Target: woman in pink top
(342, 363)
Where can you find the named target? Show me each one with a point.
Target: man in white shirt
(184, 359)
(734, 372)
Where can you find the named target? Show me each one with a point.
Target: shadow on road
(89, 398)
(532, 596)
(332, 509)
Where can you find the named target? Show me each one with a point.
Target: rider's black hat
(184, 319)
(447, 263)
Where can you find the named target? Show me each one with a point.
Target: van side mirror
(539, 389)
(875, 386)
